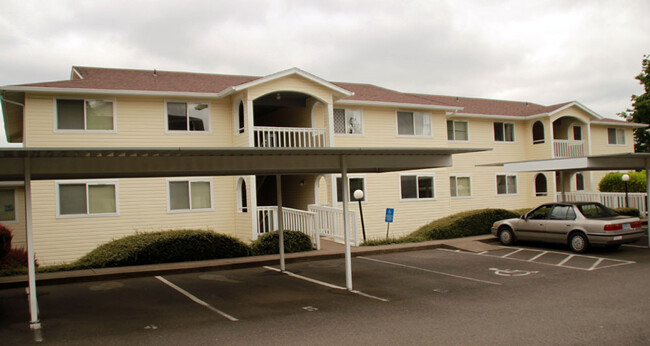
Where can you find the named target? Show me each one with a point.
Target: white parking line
(195, 299)
(326, 284)
(512, 253)
(567, 259)
(429, 270)
(538, 256)
(593, 266)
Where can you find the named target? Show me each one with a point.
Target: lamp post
(626, 178)
(358, 195)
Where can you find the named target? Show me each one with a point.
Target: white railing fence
(289, 137)
(610, 199)
(568, 148)
(329, 222)
(293, 219)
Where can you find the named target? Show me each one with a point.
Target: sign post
(390, 213)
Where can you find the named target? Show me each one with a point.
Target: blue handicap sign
(390, 212)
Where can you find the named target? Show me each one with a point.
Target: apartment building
(123, 108)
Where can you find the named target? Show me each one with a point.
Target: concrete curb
(328, 251)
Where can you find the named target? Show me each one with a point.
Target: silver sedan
(579, 224)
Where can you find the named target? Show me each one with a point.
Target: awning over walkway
(58, 163)
(610, 162)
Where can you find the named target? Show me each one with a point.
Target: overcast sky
(544, 52)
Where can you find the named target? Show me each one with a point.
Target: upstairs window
(506, 184)
(188, 116)
(615, 136)
(457, 130)
(354, 183)
(85, 115)
(538, 132)
(87, 198)
(347, 121)
(461, 186)
(413, 124)
(240, 117)
(7, 205)
(504, 132)
(417, 187)
(577, 133)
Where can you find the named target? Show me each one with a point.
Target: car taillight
(613, 227)
(636, 224)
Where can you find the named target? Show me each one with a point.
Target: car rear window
(595, 211)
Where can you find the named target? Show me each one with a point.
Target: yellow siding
(600, 145)
(142, 208)
(291, 83)
(140, 123)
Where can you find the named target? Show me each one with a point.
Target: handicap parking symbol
(512, 272)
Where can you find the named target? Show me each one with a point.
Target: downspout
(34, 323)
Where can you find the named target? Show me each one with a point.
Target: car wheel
(578, 242)
(506, 236)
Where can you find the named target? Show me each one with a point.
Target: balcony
(568, 148)
(289, 137)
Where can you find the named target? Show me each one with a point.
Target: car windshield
(595, 210)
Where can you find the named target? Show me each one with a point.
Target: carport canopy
(26, 164)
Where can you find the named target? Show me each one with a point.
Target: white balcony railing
(568, 148)
(609, 199)
(329, 222)
(289, 137)
(293, 219)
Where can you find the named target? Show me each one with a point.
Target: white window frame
(238, 131)
(84, 130)
(576, 181)
(345, 110)
(189, 182)
(417, 190)
(506, 175)
(538, 193)
(352, 176)
(514, 132)
(428, 114)
(115, 183)
(454, 131)
(185, 132)
(470, 185)
(16, 217)
(573, 133)
(616, 129)
(240, 208)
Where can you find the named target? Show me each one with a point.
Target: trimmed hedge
(5, 241)
(268, 244)
(613, 182)
(464, 224)
(163, 247)
(628, 211)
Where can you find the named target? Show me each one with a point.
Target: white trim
(547, 193)
(393, 105)
(532, 133)
(15, 204)
(239, 99)
(498, 117)
(579, 105)
(75, 72)
(87, 91)
(345, 110)
(470, 185)
(187, 118)
(85, 117)
(351, 176)
(417, 190)
(87, 182)
(504, 141)
(286, 73)
(397, 134)
(506, 175)
(621, 124)
(454, 125)
(189, 184)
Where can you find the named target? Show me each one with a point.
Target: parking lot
(513, 295)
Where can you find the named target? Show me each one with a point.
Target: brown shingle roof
(369, 92)
(493, 107)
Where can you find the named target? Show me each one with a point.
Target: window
(8, 205)
(457, 130)
(188, 116)
(417, 187)
(504, 132)
(562, 212)
(506, 184)
(538, 132)
(87, 198)
(541, 188)
(577, 133)
(413, 124)
(347, 121)
(242, 204)
(615, 136)
(85, 115)
(461, 186)
(240, 117)
(541, 213)
(190, 194)
(355, 183)
(580, 182)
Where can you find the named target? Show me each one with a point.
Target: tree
(640, 112)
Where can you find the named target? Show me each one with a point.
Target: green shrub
(464, 224)
(163, 247)
(628, 211)
(5, 241)
(269, 243)
(613, 182)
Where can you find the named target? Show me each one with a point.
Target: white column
(346, 223)
(35, 323)
(252, 190)
(250, 122)
(330, 125)
(278, 185)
